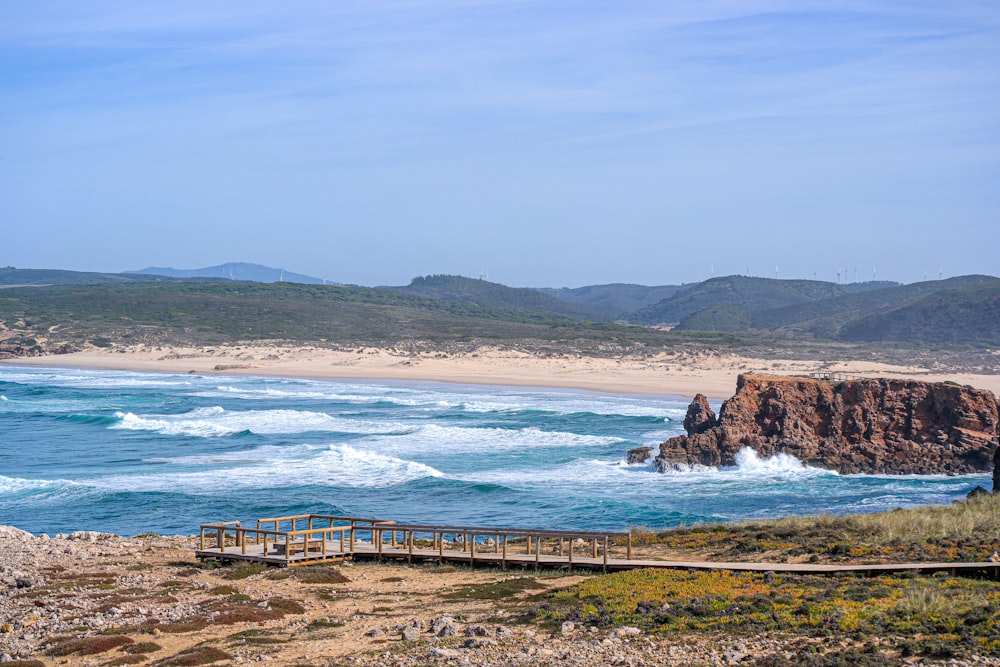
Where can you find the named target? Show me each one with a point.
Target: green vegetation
(753, 294)
(616, 300)
(494, 296)
(878, 620)
(964, 531)
(935, 617)
(743, 315)
(206, 313)
(967, 315)
(954, 312)
(496, 591)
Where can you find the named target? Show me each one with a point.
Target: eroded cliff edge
(873, 425)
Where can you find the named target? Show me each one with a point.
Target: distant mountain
(494, 295)
(748, 293)
(234, 271)
(614, 300)
(9, 276)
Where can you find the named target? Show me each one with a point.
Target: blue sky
(547, 143)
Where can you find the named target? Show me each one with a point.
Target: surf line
(307, 539)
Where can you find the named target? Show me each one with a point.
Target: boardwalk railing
(497, 544)
(306, 538)
(286, 537)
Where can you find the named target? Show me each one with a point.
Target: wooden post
(409, 559)
(472, 550)
(220, 537)
(440, 539)
(380, 544)
(628, 548)
(594, 553)
(243, 541)
(201, 546)
(571, 555)
(605, 554)
(538, 550)
(496, 545)
(561, 547)
(528, 540)
(503, 559)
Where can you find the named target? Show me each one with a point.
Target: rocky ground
(96, 599)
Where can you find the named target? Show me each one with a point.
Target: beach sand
(679, 374)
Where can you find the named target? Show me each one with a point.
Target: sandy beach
(680, 374)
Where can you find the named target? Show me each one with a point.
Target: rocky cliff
(856, 426)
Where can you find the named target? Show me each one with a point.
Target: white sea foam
(14, 486)
(3, 398)
(256, 455)
(437, 439)
(334, 466)
(748, 461)
(216, 421)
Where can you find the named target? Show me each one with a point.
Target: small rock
(503, 632)
(410, 634)
(478, 642)
(374, 633)
(477, 631)
(567, 627)
(438, 652)
(6, 627)
(628, 631)
(449, 630)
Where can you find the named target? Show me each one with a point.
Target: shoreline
(682, 374)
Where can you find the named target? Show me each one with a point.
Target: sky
(557, 143)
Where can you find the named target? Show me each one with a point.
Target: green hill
(614, 300)
(966, 315)
(9, 276)
(825, 318)
(213, 312)
(751, 294)
(493, 295)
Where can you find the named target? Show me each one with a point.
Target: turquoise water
(132, 452)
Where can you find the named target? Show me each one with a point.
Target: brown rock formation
(638, 455)
(857, 426)
(699, 417)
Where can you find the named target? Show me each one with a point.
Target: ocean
(128, 452)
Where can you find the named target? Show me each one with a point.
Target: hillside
(749, 293)
(208, 313)
(826, 318)
(234, 271)
(966, 315)
(613, 300)
(486, 294)
(9, 276)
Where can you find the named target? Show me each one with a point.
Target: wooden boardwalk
(311, 538)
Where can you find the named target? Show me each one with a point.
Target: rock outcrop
(857, 426)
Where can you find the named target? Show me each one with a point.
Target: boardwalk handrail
(299, 532)
(493, 530)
